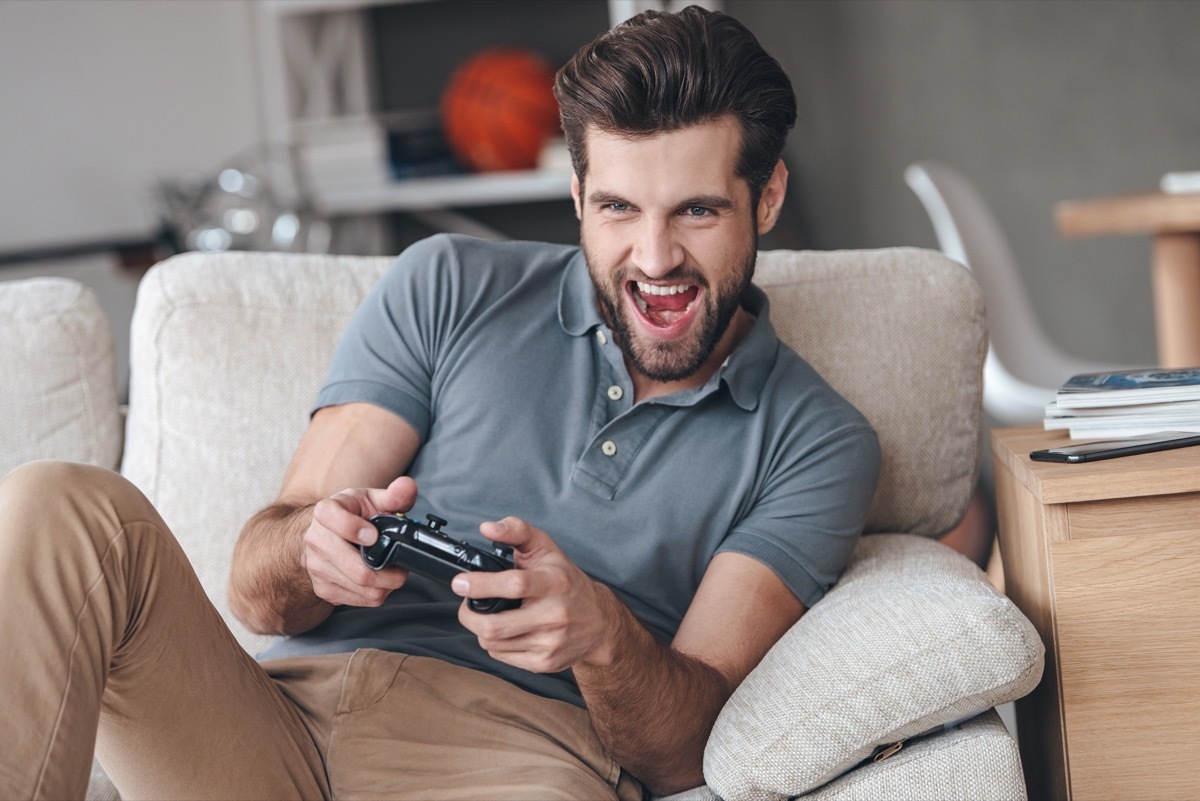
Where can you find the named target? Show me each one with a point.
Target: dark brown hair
(660, 72)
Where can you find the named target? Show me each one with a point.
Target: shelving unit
(316, 63)
(422, 194)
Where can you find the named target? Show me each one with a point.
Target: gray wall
(1035, 102)
(100, 99)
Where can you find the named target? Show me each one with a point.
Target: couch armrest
(58, 386)
(911, 638)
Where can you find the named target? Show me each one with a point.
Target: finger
(340, 576)
(343, 593)
(332, 562)
(523, 584)
(505, 639)
(527, 541)
(509, 531)
(493, 629)
(333, 515)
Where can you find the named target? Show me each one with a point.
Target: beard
(669, 360)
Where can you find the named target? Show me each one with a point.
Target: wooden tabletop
(1161, 473)
(1152, 213)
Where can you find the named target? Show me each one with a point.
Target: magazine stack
(1132, 403)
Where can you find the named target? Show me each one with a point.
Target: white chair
(1024, 367)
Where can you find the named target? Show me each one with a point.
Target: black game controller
(424, 549)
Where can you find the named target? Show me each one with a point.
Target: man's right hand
(331, 544)
(297, 559)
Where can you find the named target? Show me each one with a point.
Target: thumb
(399, 496)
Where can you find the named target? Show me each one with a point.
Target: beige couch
(228, 351)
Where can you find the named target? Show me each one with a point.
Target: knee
(47, 492)
(47, 480)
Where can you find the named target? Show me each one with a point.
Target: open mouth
(664, 306)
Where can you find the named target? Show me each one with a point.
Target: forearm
(652, 707)
(269, 589)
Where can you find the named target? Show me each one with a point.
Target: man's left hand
(565, 617)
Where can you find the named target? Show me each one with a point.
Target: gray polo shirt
(497, 355)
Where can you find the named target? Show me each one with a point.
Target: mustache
(679, 275)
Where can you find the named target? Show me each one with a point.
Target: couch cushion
(901, 333)
(228, 352)
(58, 389)
(977, 759)
(911, 638)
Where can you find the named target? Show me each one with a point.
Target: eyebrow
(600, 197)
(709, 201)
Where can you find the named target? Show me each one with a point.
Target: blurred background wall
(1035, 102)
(100, 100)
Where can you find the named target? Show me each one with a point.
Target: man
(676, 485)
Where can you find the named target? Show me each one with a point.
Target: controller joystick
(424, 549)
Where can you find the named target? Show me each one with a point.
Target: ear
(575, 189)
(770, 204)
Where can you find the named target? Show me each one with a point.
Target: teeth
(651, 289)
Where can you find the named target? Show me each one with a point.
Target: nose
(656, 252)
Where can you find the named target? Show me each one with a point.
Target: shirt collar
(744, 372)
(578, 308)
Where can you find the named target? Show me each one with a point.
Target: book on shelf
(366, 150)
(1126, 403)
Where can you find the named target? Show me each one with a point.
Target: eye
(697, 212)
(616, 208)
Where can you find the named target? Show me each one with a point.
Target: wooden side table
(1104, 559)
(1174, 221)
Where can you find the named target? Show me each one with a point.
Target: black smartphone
(1112, 448)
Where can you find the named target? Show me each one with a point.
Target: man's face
(670, 240)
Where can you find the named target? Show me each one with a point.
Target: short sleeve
(391, 349)
(811, 508)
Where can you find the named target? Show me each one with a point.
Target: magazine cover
(1133, 379)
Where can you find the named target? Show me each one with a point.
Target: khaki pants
(107, 641)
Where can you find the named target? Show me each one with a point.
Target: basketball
(498, 110)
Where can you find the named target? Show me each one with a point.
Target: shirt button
(609, 448)
(615, 392)
(600, 336)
